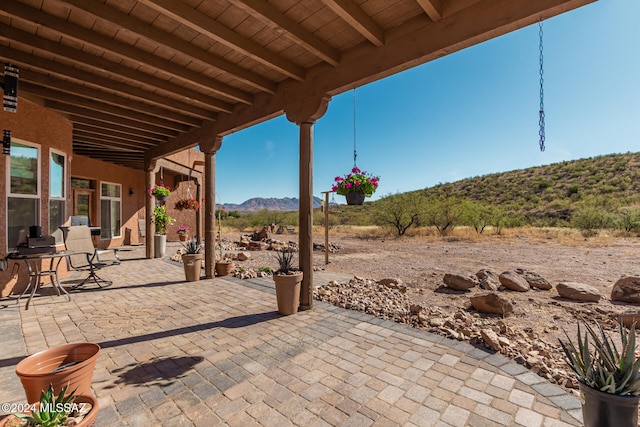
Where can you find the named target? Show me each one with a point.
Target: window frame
(10, 195)
(65, 186)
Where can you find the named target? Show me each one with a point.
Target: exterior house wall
(36, 125)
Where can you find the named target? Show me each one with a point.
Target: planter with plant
(356, 186)
(161, 221)
(608, 378)
(183, 232)
(160, 192)
(188, 204)
(287, 280)
(79, 410)
(192, 260)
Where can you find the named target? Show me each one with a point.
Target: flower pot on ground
(161, 221)
(192, 260)
(356, 186)
(61, 410)
(287, 280)
(69, 364)
(224, 268)
(609, 379)
(183, 232)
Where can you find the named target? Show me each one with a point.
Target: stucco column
(305, 113)
(149, 229)
(209, 151)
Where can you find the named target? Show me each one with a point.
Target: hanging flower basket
(189, 204)
(160, 192)
(356, 186)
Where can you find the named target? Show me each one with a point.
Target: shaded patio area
(216, 352)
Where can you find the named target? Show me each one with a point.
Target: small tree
(443, 213)
(400, 211)
(476, 215)
(590, 219)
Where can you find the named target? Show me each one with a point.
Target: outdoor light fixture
(131, 192)
(6, 142)
(11, 88)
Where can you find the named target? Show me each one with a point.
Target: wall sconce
(6, 142)
(11, 73)
(131, 192)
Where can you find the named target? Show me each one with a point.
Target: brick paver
(215, 352)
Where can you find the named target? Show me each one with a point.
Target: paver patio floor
(215, 352)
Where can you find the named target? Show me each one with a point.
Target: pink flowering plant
(357, 180)
(159, 191)
(183, 229)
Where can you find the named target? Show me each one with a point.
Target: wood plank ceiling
(152, 77)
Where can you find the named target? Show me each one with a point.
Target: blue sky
(471, 113)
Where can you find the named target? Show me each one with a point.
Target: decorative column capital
(306, 110)
(210, 146)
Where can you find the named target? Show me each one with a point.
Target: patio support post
(304, 113)
(150, 180)
(209, 150)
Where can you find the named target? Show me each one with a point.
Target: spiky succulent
(192, 246)
(603, 367)
(52, 411)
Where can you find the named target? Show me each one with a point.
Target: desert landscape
(529, 335)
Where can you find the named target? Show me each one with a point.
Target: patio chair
(86, 257)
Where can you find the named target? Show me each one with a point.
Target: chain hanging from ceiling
(541, 118)
(355, 152)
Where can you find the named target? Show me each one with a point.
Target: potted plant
(192, 260)
(223, 267)
(160, 192)
(51, 411)
(609, 380)
(68, 364)
(161, 221)
(287, 280)
(183, 232)
(356, 186)
(189, 204)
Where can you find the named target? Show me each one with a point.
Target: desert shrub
(627, 219)
(442, 213)
(399, 212)
(476, 215)
(590, 219)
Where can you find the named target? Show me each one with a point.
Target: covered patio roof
(143, 79)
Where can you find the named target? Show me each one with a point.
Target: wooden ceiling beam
(99, 141)
(433, 8)
(272, 17)
(148, 116)
(82, 129)
(106, 67)
(115, 128)
(133, 124)
(360, 21)
(191, 18)
(86, 36)
(154, 35)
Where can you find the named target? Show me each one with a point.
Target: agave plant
(285, 260)
(52, 411)
(192, 246)
(603, 367)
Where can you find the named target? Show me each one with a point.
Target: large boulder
(534, 279)
(578, 291)
(629, 318)
(626, 289)
(488, 280)
(460, 282)
(512, 280)
(491, 303)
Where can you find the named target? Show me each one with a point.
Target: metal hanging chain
(541, 120)
(355, 153)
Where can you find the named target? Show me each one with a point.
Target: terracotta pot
(192, 264)
(183, 237)
(224, 268)
(88, 421)
(39, 370)
(355, 198)
(606, 409)
(288, 292)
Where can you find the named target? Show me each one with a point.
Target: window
(57, 190)
(23, 198)
(110, 212)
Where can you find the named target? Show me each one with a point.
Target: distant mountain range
(286, 204)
